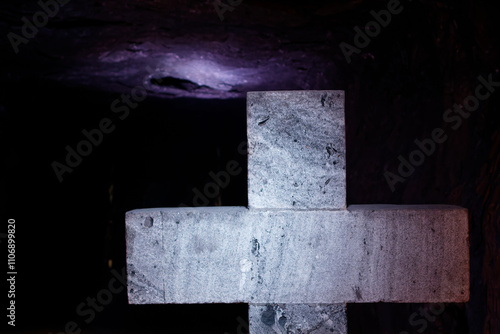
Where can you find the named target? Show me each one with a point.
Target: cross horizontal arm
(367, 253)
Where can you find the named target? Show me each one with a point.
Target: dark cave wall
(418, 71)
(397, 89)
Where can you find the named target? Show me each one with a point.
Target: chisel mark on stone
(148, 222)
(255, 247)
(264, 121)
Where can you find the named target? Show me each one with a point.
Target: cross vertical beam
(296, 159)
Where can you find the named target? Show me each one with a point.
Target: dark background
(71, 234)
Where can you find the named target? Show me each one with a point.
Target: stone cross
(297, 254)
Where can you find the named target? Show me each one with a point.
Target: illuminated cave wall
(172, 77)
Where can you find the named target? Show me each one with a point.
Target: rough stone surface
(296, 149)
(367, 253)
(298, 318)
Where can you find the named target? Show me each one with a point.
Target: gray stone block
(367, 253)
(296, 149)
(298, 318)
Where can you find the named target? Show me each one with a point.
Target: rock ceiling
(176, 48)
